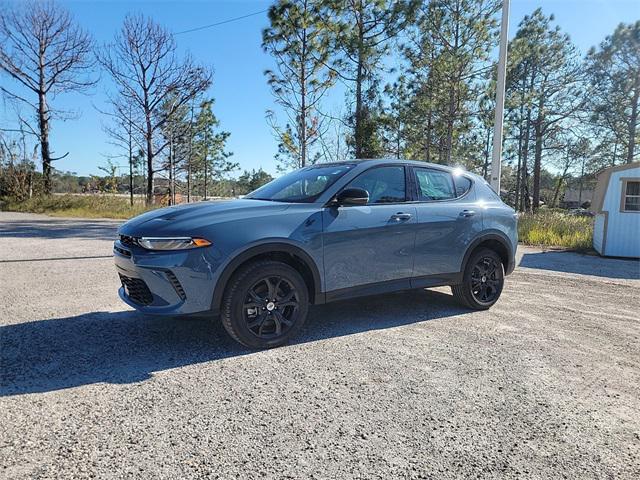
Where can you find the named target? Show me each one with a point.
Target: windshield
(301, 186)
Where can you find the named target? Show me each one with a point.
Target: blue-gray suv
(322, 233)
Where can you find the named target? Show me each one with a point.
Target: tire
(482, 280)
(254, 319)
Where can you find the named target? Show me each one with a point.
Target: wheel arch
(281, 251)
(496, 241)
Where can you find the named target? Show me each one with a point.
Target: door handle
(467, 213)
(401, 216)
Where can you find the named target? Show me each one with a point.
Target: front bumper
(167, 282)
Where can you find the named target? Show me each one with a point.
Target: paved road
(407, 385)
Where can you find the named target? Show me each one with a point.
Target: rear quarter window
(462, 184)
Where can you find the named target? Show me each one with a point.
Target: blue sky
(234, 52)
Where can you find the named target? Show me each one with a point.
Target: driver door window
(384, 184)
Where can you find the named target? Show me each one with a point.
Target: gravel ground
(407, 385)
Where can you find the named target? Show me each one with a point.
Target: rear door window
(434, 185)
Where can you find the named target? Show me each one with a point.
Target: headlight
(176, 243)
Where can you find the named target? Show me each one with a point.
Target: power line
(222, 22)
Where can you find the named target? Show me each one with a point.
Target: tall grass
(85, 206)
(556, 229)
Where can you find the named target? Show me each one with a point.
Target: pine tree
(614, 96)
(545, 76)
(252, 180)
(448, 55)
(363, 36)
(210, 157)
(297, 40)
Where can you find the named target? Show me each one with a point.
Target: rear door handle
(467, 213)
(401, 216)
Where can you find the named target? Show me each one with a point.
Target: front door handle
(401, 216)
(467, 213)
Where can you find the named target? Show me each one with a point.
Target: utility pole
(496, 156)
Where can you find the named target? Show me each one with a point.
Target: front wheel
(482, 280)
(265, 304)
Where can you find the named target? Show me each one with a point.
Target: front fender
(279, 245)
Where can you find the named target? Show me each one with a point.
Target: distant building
(574, 198)
(616, 202)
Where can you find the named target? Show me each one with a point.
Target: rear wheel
(482, 280)
(265, 304)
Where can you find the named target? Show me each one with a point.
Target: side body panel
(445, 230)
(368, 244)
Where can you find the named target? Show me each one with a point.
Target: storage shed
(616, 203)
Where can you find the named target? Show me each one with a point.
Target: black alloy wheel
(486, 282)
(265, 304)
(482, 280)
(271, 307)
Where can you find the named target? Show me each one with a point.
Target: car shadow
(127, 347)
(572, 262)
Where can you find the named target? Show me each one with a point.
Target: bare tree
(145, 66)
(46, 53)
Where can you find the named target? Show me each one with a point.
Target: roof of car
(382, 161)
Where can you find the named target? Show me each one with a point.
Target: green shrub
(556, 229)
(86, 206)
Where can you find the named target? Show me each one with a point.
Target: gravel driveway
(409, 385)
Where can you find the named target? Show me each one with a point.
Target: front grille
(136, 290)
(128, 241)
(176, 285)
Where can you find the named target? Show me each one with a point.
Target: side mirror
(352, 196)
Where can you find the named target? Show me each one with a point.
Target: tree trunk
(303, 102)
(171, 183)
(130, 168)
(485, 167)
(206, 154)
(429, 128)
(399, 138)
(43, 123)
(633, 121)
(556, 194)
(149, 140)
(205, 178)
(359, 140)
(537, 165)
(537, 161)
(520, 140)
(525, 158)
(190, 155)
(580, 184)
(453, 89)
(449, 137)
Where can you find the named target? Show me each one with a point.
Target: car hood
(190, 219)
